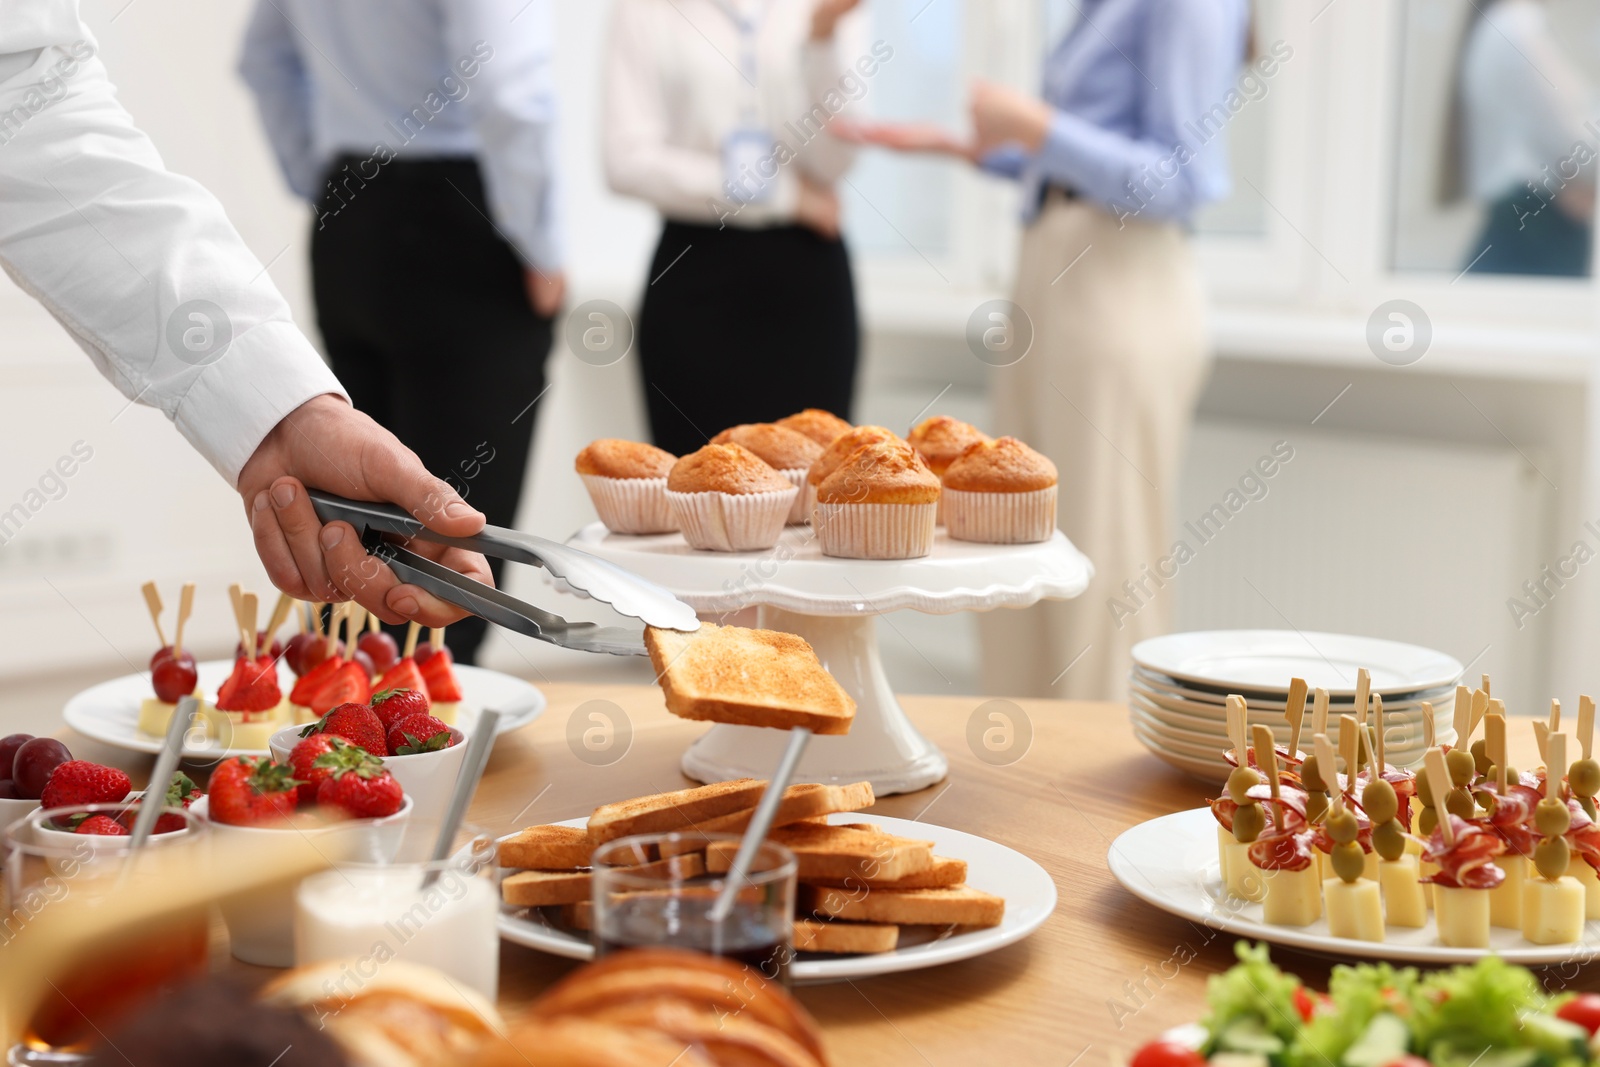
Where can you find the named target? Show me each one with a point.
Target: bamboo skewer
(1363, 694)
(1494, 733)
(1439, 786)
(248, 608)
(1541, 734)
(1326, 758)
(436, 638)
(1555, 766)
(415, 628)
(280, 613)
(1267, 761)
(185, 609)
(152, 601)
(1586, 725)
(1377, 713)
(373, 625)
(1480, 708)
(1350, 748)
(1319, 713)
(1555, 715)
(1461, 716)
(1295, 710)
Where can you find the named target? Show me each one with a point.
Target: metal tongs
(385, 528)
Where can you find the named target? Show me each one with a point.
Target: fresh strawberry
(442, 685)
(81, 782)
(103, 825)
(354, 722)
(314, 679)
(181, 793)
(419, 733)
(403, 675)
(252, 792)
(392, 705)
(253, 686)
(348, 685)
(358, 785)
(303, 762)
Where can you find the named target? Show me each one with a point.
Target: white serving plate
(1171, 862)
(1216, 704)
(1209, 715)
(1266, 659)
(1209, 750)
(1028, 889)
(1398, 734)
(109, 712)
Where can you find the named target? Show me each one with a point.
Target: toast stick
(1427, 725)
(248, 608)
(1319, 712)
(185, 609)
(1267, 761)
(1363, 694)
(152, 601)
(1439, 786)
(1295, 709)
(1494, 735)
(1586, 725)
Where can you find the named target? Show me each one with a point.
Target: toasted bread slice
(664, 812)
(799, 802)
(547, 848)
(578, 916)
(535, 889)
(837, 852)
(942, 873)
(748, 677)
(953, 906)
(814, 935)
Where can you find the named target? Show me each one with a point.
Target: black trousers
(744, 326)
(426, 319)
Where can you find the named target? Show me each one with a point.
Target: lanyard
(749, 27)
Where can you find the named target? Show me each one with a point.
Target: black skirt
(744, 326)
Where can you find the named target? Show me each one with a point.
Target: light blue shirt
(1143, 91)
(418, 79)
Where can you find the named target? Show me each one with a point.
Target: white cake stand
(833, 603)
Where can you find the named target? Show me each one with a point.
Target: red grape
(381, 649)
(365, 661)
(8, 751)
(8, 790)
(36, 759)
(174, 679)
(317, 651)
(423, 652)
(165, 652)
(273, 648)
(294, 653)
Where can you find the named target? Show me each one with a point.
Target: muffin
(837, 452)
(1000, 492)
(726, 499)
(939, 440)
(627, 480)
(786, 451)
(821, 426)
(878, 504)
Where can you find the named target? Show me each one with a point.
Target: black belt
(1065, 191)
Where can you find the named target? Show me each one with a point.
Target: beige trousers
(1107, 391)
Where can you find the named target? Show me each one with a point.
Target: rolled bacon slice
(1468, 863)
(1583, 834)
(1512, 818)
(1282, 851)
(1285, 759)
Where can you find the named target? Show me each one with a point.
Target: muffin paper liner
(1000, 518)
(875, 531)
(631, 505)
(732, 522)
(800, 510)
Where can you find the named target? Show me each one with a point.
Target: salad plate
(1171, 863)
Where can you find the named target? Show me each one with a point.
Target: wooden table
(1103, 975)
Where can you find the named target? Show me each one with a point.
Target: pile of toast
(858, 884)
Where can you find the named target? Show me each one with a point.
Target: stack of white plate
(1180, 683)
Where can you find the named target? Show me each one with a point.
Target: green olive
(1240, 782)
(1480, 756)
(1428, 821)
(1389, 840)
(1584, 777)
(1589, 807)
(1248, 822)
(1343, 826)
(1316, 807)
(1551, 856)
(1349, 862)
(1552, 817)
(1379, 800)
(1459, 802)
(1311, 776)
(1461, 766)
(1486, 800)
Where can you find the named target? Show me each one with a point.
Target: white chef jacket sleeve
(142, 266)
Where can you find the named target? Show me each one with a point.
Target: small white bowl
(12, 811)
(261, 922)
(70, 851)
(427, 777)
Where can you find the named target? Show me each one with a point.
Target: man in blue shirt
(422, 132)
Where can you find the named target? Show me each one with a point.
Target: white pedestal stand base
(882, 747)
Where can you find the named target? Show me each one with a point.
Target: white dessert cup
(426, 777)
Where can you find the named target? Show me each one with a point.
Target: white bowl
(426, 777)
(261, 922)
(12, 811)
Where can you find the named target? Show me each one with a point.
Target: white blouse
(675, 89)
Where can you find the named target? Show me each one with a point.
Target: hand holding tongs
(385, 527)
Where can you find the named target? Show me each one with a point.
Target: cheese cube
(1355, 909)
(1224, 839)
(1370, 870)
(1427, 870)
(1244, 877)
(1403, 901)
(1462, 916)
(1505, 899)
(1552, 910)
(1294, 898)
(1590, 881)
